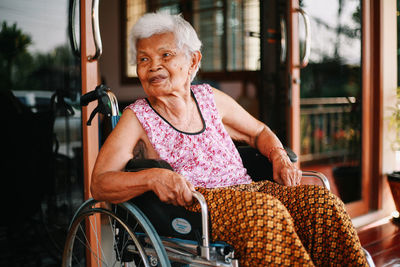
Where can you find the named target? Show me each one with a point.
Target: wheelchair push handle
(107, 103)
(92, 95)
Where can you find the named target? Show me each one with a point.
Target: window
(229, 31)
(134, 9)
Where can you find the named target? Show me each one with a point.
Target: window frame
(187, 13)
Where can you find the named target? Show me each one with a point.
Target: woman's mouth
(157, 78)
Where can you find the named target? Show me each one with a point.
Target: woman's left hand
(285, 172)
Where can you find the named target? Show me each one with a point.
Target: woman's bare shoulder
(126, 133)
(131, 125)
(128, 122)
(225, 103)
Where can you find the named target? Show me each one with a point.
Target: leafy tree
(54, 70)
(13, 44)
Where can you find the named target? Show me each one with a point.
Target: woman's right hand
(172, 188)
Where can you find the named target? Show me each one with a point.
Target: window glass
(331, 90)
(229, 31)
(209, 24)
(40, 84)
(243, 35)
(134, 10)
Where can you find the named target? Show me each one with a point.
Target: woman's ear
(196, 58)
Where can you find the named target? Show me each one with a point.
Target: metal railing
(329, 128)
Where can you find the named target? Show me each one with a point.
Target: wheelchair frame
(134, 239)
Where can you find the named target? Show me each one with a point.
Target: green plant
(13, 44)
(394, 122)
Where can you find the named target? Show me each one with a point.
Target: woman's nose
(155, 65)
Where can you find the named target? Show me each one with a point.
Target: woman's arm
(111, 183)
(243, 127)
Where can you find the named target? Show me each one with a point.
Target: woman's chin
(158, 89)
(158, 83)
(155, 85)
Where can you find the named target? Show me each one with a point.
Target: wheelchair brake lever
(94, 112)
(102, 107)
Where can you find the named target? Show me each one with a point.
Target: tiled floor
(382, 240)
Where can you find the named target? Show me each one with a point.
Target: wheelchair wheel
(113, 235)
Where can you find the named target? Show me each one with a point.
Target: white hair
(157, 23)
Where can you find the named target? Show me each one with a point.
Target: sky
(44, 20)
(323, 39)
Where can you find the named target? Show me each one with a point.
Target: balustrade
(329, 129)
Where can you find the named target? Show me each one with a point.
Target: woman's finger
(295, 177)
(287, 176)
(187, 197)
(287, 180)
(299, 175)
(190, 185)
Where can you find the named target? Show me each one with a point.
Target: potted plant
(394, 177)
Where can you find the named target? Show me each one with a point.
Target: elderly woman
(192, 127)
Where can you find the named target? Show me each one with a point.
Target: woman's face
(161, 67)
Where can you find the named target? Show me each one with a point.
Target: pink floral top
(207, 158)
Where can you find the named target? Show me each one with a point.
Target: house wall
(389, 85)
(389, 45)
(110, 62)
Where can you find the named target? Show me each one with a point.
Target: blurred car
(67, 124)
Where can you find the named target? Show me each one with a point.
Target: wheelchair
(145, 231)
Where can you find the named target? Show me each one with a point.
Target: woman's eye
(142, 59)
(166, 54)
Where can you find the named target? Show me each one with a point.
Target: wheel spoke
(119, 240)
(98, 242)
(114, 229)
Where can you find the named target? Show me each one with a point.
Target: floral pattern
(208, 158)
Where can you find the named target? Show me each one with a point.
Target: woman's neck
(173, 105)
(180, 110)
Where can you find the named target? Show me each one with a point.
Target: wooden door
(90, 52)
(90, 79)
(330, 119)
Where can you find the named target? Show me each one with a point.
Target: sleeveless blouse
(207, 158)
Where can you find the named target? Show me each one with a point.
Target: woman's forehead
(157, 41)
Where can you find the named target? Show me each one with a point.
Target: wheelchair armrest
(292, 156)
(162, 214)
(319, 176)
(135, 165)
(258, 166)
(151, 202)
(245, 150)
